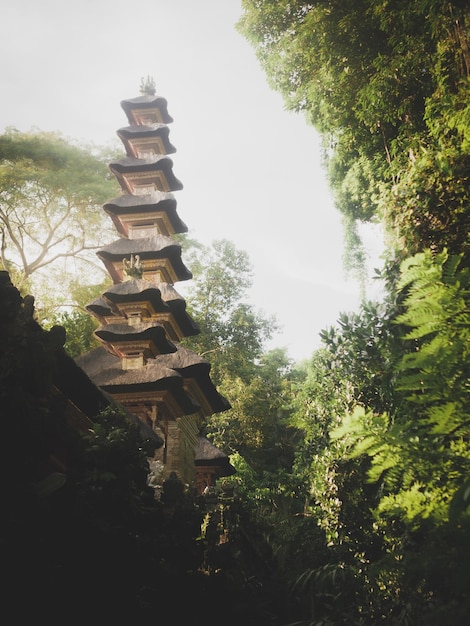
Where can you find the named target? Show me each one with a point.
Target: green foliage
(365, 347)
(427, 204)
(436, 375)
(231, 339)
(422, 454)
(384, 459)
(50, 203)
(256, 425)
(352, 474)
(79, 327)
(112, 478)
(351, 365)
(386, 85)
(232, 333)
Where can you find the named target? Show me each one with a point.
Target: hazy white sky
(251, 171)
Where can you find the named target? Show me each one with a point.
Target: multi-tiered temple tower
(142, 317)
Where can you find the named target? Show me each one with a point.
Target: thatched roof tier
(196, 373)
(207, 454)
(130, 212)
(147, 339)
(146, 247)
(211, 464)
(159, 255)
(141, 176)
(184, 358)
(142, 141)
(154, 382)
(85, 398)
(162, 304)
(141, 300)
(100, 309)
(147, 109)
(134, 291)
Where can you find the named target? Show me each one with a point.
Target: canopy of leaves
(386, 85)
(416, 454)
(232, 334)
(51, 195)
(424, 449)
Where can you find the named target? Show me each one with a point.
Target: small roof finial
(147, 86)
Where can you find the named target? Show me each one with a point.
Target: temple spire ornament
(148, 86)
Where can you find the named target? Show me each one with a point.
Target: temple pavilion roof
(194, 367)
(157, 254)
(158, 207)
(207, 454)
(141, 364)
(183, 372)
(146, 109)
(105, 371)
(140, 141)
(148, 339)
(141, 176)
(140, 297)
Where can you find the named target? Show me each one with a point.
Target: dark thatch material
(167, 371)
(99, 308)
(131, 164)
(156, 247)
(163, 299)
(160, 131)
(146, 102)
(106, 372)
(206, 451)
(184, 358)
(158, 163)
(207, 455)
(117, 334)
(158, 201)
(152, 201)
(191, 365)
(72, 381)
(136, 290)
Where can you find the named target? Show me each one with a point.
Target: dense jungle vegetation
(350, 505)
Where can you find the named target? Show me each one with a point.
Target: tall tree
(232, 339)
(386, 85)
(421, 448)
(417, 454)
(233, 334)
(51, 195)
